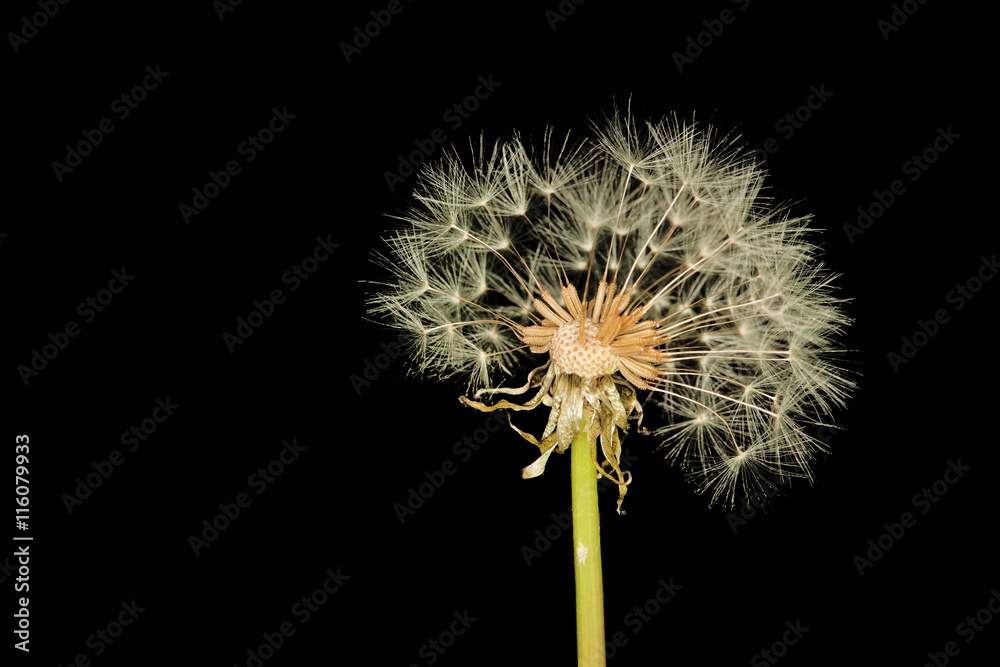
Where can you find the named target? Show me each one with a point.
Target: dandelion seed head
(705, 310)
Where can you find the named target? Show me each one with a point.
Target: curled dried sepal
(600, 405)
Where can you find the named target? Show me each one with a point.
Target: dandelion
(643, 276)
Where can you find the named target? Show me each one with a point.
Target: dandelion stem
(587, 555)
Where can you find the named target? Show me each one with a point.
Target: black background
(369, 442)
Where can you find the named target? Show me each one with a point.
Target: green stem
(587, 556)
